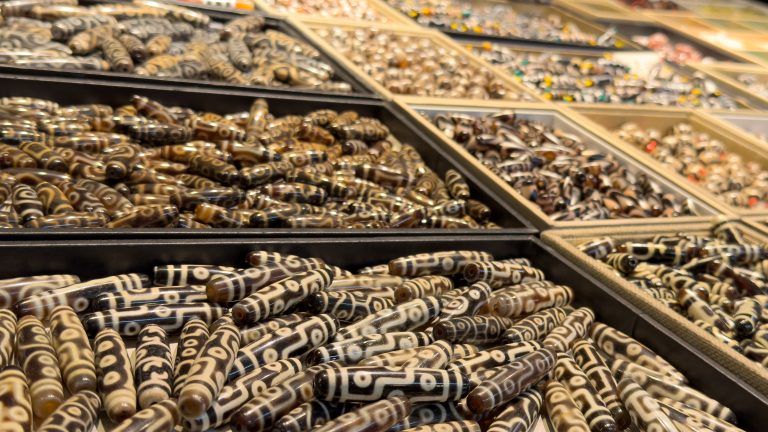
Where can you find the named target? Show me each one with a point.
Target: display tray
(565, 242)
(310, 25)
(728, 75)
(755, 124)
(381, 9)
(404, 128)
(634, 60)
(95, 259)
(633, 28)
(734, 141)
(559, 119)
(541, 9)
(359, 87)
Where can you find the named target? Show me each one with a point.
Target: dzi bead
(113, 368)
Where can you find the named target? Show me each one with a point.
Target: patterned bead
(376, 416)
(371, 383)
(79, 412)
(188, 274)
(575, 326)
(590, 361)
(357, 348)
(113, 369)
(153, 371)
(209, 371)
(78, 296)
(73, 350)
(563, 412)
(440, 263)
(7, 337)
(614, 342)
(193, 336)
(171, 318)
(528, 298)
(401, 317)
(284, 343)
(235, 394)
(477, 329)
(520, 415)
(259, 330)
(16, 414)
(514, 380)
(535, 326)
(310, 415)
(280, 296)
(644, 410)
(160, 417)
(37, 358)
(261, 412)
(581, 390)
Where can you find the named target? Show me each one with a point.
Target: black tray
(360, 89)
(102, 258)
(406, 129)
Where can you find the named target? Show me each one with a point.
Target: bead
(76, 358)
(7, 337)
(309, 415)
(352, 350)
(15, 400)
(160, 417)
(598, 248)
(422, 286)
(277, 297)
(496, 356)
(250, 334)
(171, 318)
(166, 295)
(235, 394)
(153, 371)
(535, 326)
(529, 298)
(348, 306)
(38, 360)
(370, 383)
(703, 418)
(79, 412)
(583, 393)
(368, 418)
(614, 342)
(661, 388)
(26, 203)
(285, 342)
(402, 317)
(113, 369)
(444, 263)
(512, 381)
(186, 274)
(261, 412)
(208, 373)
(498, 274)
(79, 295)
(520, 415)
(468, 303)
(193, 336)
(242, 283)
(591, 363)
(477, 329)
(644, 410)
(563, 412)
(575, 326)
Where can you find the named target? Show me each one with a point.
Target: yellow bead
(696, 91)
(588, 83)
(487, 46)
(568, 98)
(548, 96)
